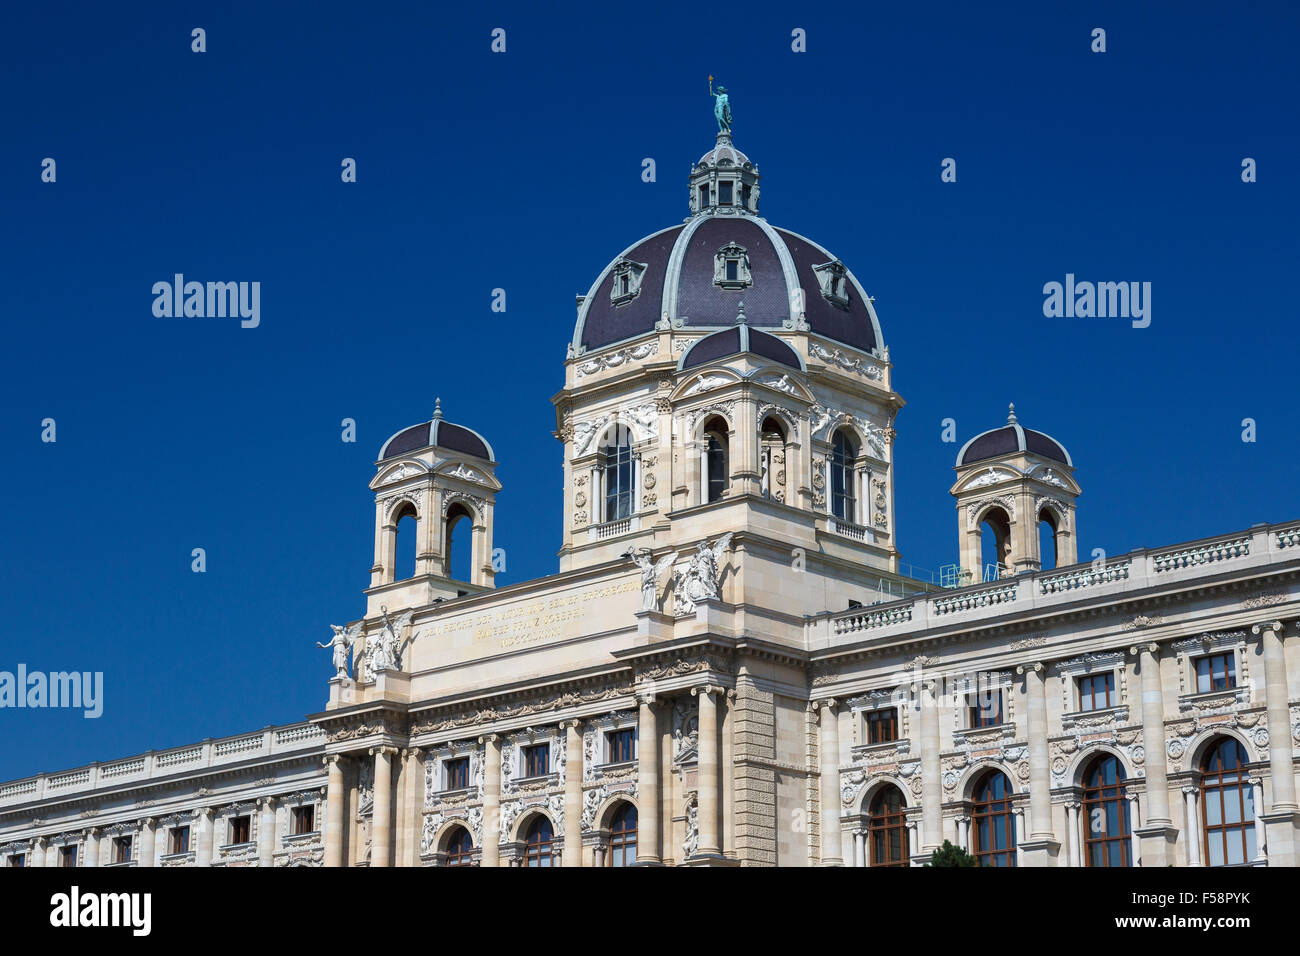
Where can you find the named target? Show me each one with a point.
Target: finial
(740, 313)
(437, 409)
(1011, 414)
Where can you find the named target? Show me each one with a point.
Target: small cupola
(724, 181)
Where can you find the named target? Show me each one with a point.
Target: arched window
(616, 464)
(622, 836)
(717, 473)
(1047, 553)
(843, 500)
(886, 829)
(995, 543)
(404, 546)
(459, 848)
(1227, 804)
(458, 561)
(772, 460)
(993, 826)
(1106, 835)
(537, 843)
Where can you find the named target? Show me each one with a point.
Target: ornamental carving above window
(731, 267)
(627, 281)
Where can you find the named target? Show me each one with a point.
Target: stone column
(1193, 826)
(148, 832)
(91, 857)
(490, 854)
(1280, 762)
(381, 821)
(859, 848)
(1072, 832)
(1042, 845)
(1133, 823)
(931, 784)
(728, 776)
(572, 792)
(1018, 816)
(647, 773)
(668, 787)
(334, 811)
(204, 827)
(829, 747)
(963, 835)
(1158, 832)
(1261, 832)
(413, 827)
(707, 773)
(266, 832)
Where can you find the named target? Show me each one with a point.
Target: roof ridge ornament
(740, 313)
(1011, 414)
(437, 409)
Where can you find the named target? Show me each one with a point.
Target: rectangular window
(1097, 691)
(724, 194)
(744, 195)
(304, 819)
(68, 856)
(704, 196)
(122, 849)
(618, 481)
(620, 745)
(1216, 672)
(882, 725)
(241, 830)
(537, 760)
(457, 773)
(180, 840)
(18, 860)
(733, 270)
(985, 708)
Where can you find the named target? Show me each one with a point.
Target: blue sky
(522, 170)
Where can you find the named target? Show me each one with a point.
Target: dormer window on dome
(627, 281)
(731, 267)
(834, 281)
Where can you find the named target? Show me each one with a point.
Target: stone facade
(731, 685)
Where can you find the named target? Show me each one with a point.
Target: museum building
(730, 666)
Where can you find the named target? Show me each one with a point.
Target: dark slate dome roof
(676, 269)
(735, 340)
(437, 433)
(1010, 439)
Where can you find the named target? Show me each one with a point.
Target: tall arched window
(459, 848)
(404, 546)
(772, 460)
(1227, 804)
(616, 462)
(993, 826)
(1106, 835)
(995, 543)
(622, 836)
(458, 560)
(717, 466)
(537, 843)
(843, 500)
(886, 829)
(1046, 539)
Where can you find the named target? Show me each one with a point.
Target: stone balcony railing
(1262, 547)
(270, 743)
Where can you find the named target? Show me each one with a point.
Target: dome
(734, 341)
(693, 276)
(1010, 439)
(437, 433)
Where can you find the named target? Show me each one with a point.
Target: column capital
(413, 752)
(383, 749)
(1035, 667)
(92, 832)
(1274, 626)
(647, 700)
(574, 722)
(705, 689)
(266, 803)
(1150, 647)
(489, 738)
(1255, 781)
(823, 703)
(330, 759)
(1191, 788)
